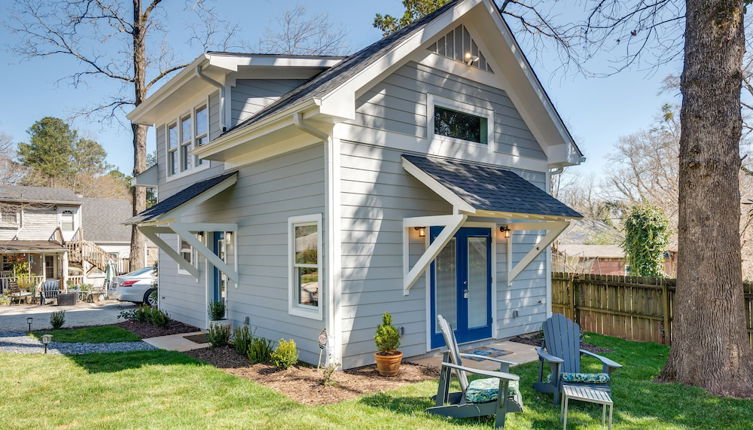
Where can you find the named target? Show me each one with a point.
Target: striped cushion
(486, 390)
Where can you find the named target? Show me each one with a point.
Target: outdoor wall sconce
(421, 231)
(46, 339)
(506, 230)
(29, 320)
(470, 58)
(200, 236)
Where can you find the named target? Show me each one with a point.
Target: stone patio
(517, 352)
(176, 342)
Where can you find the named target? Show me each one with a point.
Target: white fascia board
(166, 90)
(343, 97)
(438, 188)
(147, 178)
(232, 62)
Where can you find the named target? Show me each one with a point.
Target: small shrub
(4, 300)
(218, 335)
(242, 339)
(217, 310)
(157, 317)
(142, 314)
(285, 355)
(260, 350)
(57, 319)
(327, 373)
(387, 338)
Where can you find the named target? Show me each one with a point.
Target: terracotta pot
(388, 364)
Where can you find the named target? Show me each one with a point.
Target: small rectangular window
(186, 251)
(172, 149)
(185, 143)
(460, 125)
(8, 216)
(67, 221)
(305, 265)
(201, 129)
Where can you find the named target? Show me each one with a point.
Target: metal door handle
(465, 293)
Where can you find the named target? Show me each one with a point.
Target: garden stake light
(46, 338)
(29, 321)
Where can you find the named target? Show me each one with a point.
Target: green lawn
(102, 334)
(158, 389)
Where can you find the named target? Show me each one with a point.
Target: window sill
(306, 312)
(185, 173)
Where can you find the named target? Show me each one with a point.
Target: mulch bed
(146, 330)
(303, 383)
(537, 338)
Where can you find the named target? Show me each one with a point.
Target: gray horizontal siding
(249, 96)
(398, 104)
(266, 194)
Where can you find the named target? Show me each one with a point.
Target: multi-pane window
(190, 131)
(460, 125)
(67, 221)
(185, 143)
(201, 129)
(172, 149)
(8, 216)
(305, 265)
(186, 251)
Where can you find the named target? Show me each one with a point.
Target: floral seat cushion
(583, 378)
(486, 390)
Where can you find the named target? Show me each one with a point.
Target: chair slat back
(51, 288)
(452, 346)
(562, 339)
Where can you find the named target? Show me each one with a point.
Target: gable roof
(493, 189)
(102, 219)
(24, 194)
(336, 75)
(178, 199)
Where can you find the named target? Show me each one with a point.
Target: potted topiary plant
(387, 340)
(217, 314)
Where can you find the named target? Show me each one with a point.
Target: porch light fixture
(46, 339)
(29, 320)
(470, 58)
(421, 231)
(506, 230)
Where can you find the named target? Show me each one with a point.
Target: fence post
(571, 298)
(667, 332)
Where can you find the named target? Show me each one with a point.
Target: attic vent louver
(456, 43)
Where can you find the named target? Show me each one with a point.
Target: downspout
(200, 74)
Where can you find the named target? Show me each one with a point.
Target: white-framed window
(9, 216)
(305, 266)
(67, 220)
(172, 149)
(188, 131)
(457, 123)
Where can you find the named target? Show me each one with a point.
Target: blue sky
(598, 111)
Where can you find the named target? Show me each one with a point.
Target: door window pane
(477, 282)
(446, 285)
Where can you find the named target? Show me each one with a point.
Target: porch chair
(477, 398)
(16, 294)
(50, 290)
(561, 352)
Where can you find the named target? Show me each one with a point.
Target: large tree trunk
(709, 340)
(139, 131)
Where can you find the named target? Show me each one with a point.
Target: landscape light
(46, 339)
(29, 320)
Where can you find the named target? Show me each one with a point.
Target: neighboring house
(316, 193)
(60, 234)
(602, 260)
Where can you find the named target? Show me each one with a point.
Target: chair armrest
(481, 357)
(488, 373)
(548, 357)
(605, 361)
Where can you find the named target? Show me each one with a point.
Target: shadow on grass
(120, 361)
(413, 406)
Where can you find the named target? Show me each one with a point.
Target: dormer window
(189, 131)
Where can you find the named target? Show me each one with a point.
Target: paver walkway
(84, 314)
(20, 343)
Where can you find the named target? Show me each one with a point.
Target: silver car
(136, 287)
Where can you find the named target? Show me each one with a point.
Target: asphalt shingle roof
(179, 198)
(102, 219)
(336, 75)
(19, 193)
(491, 188)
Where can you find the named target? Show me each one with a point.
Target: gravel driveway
(13, 318)
(19, 343)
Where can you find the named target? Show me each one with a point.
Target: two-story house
(61, 235)
(316, 193)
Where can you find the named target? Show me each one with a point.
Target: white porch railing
(75, 280)
(6, 280)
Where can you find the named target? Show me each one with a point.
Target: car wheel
(150, 297)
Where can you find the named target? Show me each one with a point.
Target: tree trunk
(709, 340)
(139, 131)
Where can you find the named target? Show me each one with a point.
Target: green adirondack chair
(479, 397)
(561, 352)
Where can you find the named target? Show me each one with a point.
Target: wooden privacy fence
(629, 307)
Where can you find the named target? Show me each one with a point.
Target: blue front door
(220, 283)
(461, 285)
